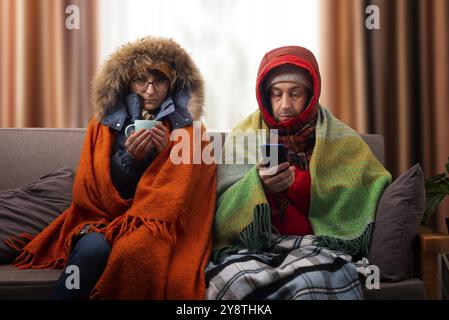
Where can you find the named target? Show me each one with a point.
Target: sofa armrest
(430, 245)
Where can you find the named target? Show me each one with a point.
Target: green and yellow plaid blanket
(347, 183)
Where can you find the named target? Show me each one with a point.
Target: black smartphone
(273, 154)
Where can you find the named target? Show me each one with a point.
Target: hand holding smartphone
(273, 154)
(275, 172)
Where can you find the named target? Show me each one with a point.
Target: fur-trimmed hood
(112, 80)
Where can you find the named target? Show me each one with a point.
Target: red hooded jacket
(295, 221)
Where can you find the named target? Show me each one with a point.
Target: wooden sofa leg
(431, 275)
(431, 245)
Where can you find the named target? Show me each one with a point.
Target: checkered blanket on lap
(291, 269)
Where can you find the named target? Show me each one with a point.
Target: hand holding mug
(159, 136)
(139, 143)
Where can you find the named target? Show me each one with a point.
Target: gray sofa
(27, 154)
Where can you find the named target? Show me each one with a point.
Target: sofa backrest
(29, 153)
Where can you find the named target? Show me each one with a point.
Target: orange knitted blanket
(161, 239)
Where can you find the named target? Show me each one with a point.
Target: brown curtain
(392, 81)
(46, 68)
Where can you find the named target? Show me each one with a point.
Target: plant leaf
(437, 187)
(436, 178)
(441, 186)
(444, 186)
(431, 204)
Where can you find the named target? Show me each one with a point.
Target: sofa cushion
(31, 208)
(399, 213)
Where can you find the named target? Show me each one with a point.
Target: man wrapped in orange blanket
(139, 226)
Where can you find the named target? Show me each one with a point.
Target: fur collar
(114, 75)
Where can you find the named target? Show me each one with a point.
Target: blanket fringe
(17, 243)
(26, 261)
(121, 226)
(357, 247)
(256, 236)
(126, 224)
(26, 258)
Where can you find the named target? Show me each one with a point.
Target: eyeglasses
(143, 83)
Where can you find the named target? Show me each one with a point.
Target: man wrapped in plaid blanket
(324, 197)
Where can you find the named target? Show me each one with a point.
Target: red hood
(300, 57)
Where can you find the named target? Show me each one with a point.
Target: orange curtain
(342, 68)
(46, 68)
(392, 81)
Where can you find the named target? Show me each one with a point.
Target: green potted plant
(437, 188)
